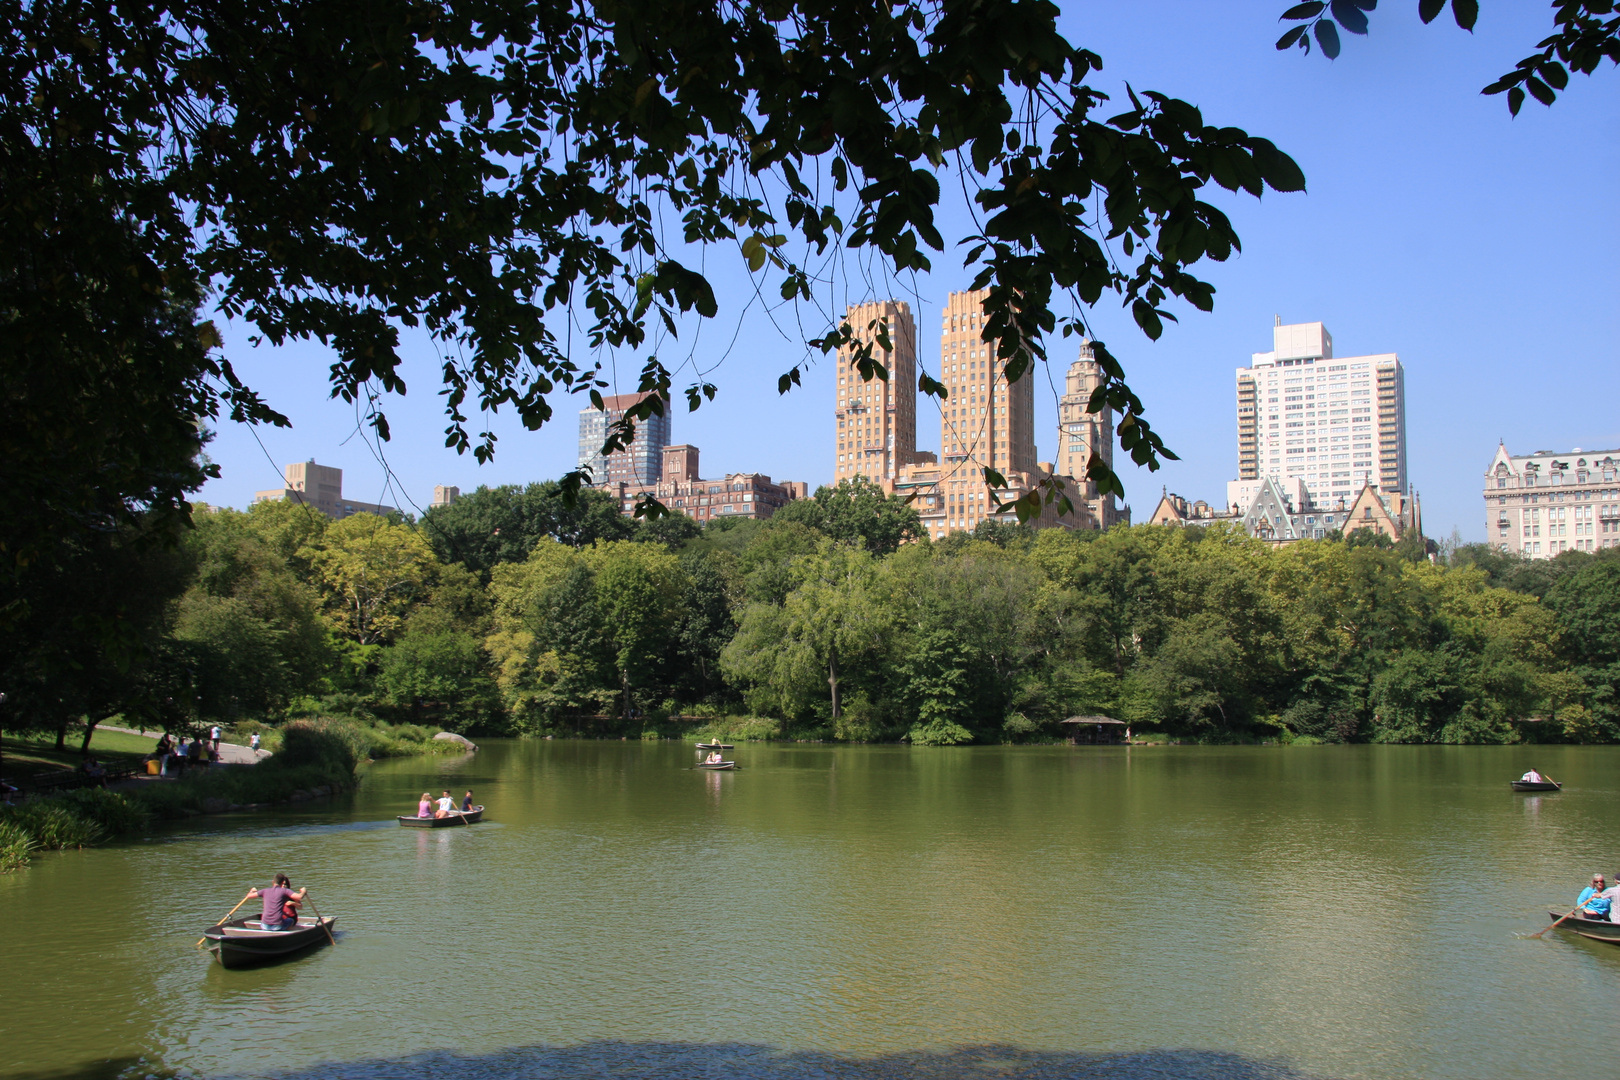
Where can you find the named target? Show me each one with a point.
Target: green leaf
(1327, 36)
(1540, 90)
(1292, 37)
(1303, 11)
(1466, 12)
(1350, 16)
(1515, 100)
(1429, 10)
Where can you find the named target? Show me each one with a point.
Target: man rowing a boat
(1532, 777)
(280, 910)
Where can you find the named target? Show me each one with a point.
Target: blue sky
(1481, 249)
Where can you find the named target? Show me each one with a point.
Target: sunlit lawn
(35, 752)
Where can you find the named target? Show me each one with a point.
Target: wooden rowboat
(715, 766)
(1536, 785)
(455, 817)
(715, 746)
(244, 942)
(1596, 929)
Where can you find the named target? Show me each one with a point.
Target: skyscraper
(983, 419)
(639, 463)
(1321, 426)
(1084, 433)
(876, 422)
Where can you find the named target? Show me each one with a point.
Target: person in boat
(1612, 895)
(713, 759)
(1595, 900)
(425, 807)
(280, 911)
(467, 803)
(447, 805)
(1532, 777)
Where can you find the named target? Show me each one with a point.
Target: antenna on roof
(1276, 320)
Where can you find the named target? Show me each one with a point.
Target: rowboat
(715, 766)
(455, 817)
(715, 746)
(244, 942)
(1596, 929)
(1536, 785)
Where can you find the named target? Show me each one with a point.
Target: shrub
(741, 729)
(342, 743)
(16, 845)
(55, 824)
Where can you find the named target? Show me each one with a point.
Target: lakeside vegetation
(316, 758)
(517, 611)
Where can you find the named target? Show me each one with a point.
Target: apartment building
(1331, 425)
(875, 421)
(1083, 434)
(321, 487)
(682, 488)
(638, 463)
(1542, 504)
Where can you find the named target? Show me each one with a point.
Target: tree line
(525, 610)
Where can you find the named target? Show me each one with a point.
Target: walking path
(229, 753)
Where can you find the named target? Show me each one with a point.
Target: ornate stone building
(1542, 504)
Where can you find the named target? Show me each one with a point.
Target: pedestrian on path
(213, 737)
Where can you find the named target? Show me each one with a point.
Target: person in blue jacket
(1592, 901)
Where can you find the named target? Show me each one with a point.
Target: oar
(318, 918)
(228, 914)
(1573, 910)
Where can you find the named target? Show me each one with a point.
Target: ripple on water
(860, 912)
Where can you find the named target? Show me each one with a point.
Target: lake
(854, 912)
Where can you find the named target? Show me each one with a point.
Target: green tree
(640, 589)
(856, 512)
(371, 572)
(443, 669)
(829, 623)
(499, 525)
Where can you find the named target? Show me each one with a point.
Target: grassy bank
(316, 758)
(374, 739)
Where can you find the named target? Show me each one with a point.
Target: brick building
(682, 488)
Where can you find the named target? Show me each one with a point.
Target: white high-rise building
(1318, 424)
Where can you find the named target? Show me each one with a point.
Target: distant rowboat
(1536, 785)
(455, 817)
(715, 746)
(715, 766)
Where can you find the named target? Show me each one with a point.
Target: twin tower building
(984, 421)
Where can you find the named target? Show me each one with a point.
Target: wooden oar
(228, 914)
(318, 918)
(1572, 911)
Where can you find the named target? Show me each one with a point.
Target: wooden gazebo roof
(1092, 720)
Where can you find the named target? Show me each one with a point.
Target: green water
(855, 912)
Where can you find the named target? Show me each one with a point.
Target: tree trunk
(61, 735)
(832, 680)
(89, 730)
(624, 690)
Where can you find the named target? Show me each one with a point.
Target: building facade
(875, 421)
(1276, 518)
(682, 489)
(1327, 425)
(319, 486)
(1542, 504)
(444, 495)
(638, 463)
(1083, 435)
